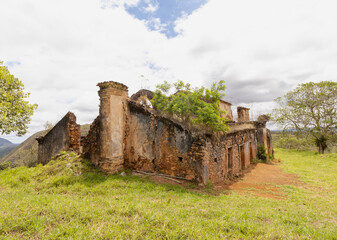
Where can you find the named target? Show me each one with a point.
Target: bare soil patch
(265, 181)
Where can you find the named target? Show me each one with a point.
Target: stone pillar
(243, 114)
(113, 96)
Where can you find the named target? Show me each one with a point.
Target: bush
(261, 153)
(256, 160)
(5, 165)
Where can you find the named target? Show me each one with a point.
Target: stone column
(113, 96)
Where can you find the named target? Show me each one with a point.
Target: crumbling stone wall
(142, 93)
(64, 136)
(157, 144)
(243, 114)
(263, 135)
(226, 106)
(129, 135)
(112, 112)
(91, 146)
(269, 143)
(216, 160)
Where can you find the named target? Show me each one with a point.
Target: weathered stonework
(112, 112)
(142, 93)
(112, 85)
(91, 146)
(129, 135)
(226, 106)
(243, 114)
(64, 136)
(157, 144)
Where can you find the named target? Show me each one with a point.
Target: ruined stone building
(129, 134)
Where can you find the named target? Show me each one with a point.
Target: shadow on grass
(78, 175)
(92, 179)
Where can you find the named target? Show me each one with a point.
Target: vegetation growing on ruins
(310, 109)
(68, 199)
(261, 153)
(15, 111)
(192, 106)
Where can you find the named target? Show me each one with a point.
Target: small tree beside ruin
(192, 106)
(311, 108)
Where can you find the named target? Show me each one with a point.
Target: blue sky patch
(160, 15)
(12, 63)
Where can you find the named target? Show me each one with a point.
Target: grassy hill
(68, 199)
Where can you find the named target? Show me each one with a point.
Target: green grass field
(67, 199)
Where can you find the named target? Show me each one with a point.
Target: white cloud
(245, 41)
(261, 48)
(118, 3)
(151, 6)
(155, 24)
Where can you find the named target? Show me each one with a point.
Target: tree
(48, 125)
(192, 106)
(310, 108)
(15, 110)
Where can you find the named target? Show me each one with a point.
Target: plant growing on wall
(15, 110)
(311, 108)
(192, 106)
(261, 153)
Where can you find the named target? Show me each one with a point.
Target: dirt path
(264, 180)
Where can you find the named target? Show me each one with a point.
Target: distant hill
(5, 142)
(25, 154)
(5, 147)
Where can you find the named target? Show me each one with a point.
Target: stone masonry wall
(216, 164)
(91, 147)
(130, 135)
(64, 136)
(112, 112)
(157, 144)
(243, 114)
(153, 143)
(225, 106)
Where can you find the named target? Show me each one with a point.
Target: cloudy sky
(61, 49)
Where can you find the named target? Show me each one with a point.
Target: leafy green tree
(311, 108)
(192, 106)
(15, 110)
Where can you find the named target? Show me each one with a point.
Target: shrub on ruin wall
(192, 106)
(261, 153)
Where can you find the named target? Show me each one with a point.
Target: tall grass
(68, 199)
